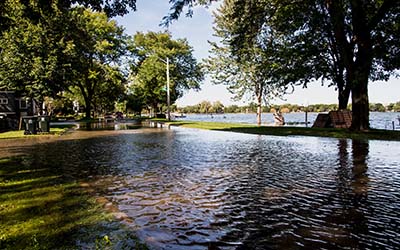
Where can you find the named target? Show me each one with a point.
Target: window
(3, 101)
(22, 104)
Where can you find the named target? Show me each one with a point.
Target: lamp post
(168, 97)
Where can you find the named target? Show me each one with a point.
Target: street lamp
(168, 95)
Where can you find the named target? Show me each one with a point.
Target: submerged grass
(373, 134)
(41, 209)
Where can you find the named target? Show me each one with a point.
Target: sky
(198, 30)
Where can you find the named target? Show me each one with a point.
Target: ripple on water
(189, 189)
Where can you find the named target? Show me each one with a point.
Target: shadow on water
(360, 187)
(93, 126)
(352, 185)
(360, 180)
(369, 217)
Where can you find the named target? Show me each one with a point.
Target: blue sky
(198, 30)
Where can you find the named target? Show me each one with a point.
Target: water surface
(193, 189)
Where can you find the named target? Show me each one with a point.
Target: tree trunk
(363, 65)
(343, 95)
(344, 99)
(88, 104)
(259, 109)
(87, 110)
(360, 106)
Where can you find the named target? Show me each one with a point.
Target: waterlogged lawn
(41, 209)
(373, 134)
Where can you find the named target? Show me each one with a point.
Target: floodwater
(194, 189)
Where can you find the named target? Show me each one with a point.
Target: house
(12, 107)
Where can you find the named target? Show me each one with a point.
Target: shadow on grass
(41, 209)
(373, 134)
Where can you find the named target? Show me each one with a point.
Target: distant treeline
(206, 107)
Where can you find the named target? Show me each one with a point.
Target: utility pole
(168, 97)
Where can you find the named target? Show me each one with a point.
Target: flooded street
(193, 189)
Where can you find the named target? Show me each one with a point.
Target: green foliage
(98, 45)
(395, 107)
(50, 47)
(218, 107)
(36, 8)
(344, 42)
(32, 53)
(311, 46)
(205, 107)
(135, 101)
(377, 107)
(178, 7)
(252, 107)
(250, 74)
(148, 71)
(61, 50)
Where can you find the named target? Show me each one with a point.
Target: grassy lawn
(41, 209)
(20, 133)
(373, 134)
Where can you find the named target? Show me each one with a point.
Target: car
(109, 117)
(119, 115)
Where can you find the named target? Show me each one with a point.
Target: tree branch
(383, 10)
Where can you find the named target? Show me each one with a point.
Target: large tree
(59, 50)
(251, 76)
(348, 42)
(97, 47)
(150, 52)
(38, 40)
(32, 53)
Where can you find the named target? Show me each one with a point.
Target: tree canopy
(177, 7)
(250, 77)
(31, 53)
(347, 42)
(148, 72)
(52, 47)
(98, 44)
(75, 50)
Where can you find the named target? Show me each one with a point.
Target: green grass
(373, 134)
(56, 130)
(42, 209)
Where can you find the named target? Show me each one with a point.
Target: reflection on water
(92, 126)
(190, 189)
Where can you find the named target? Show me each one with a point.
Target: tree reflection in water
(360, 178)
(353, 182)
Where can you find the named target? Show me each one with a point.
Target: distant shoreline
(272, 112)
